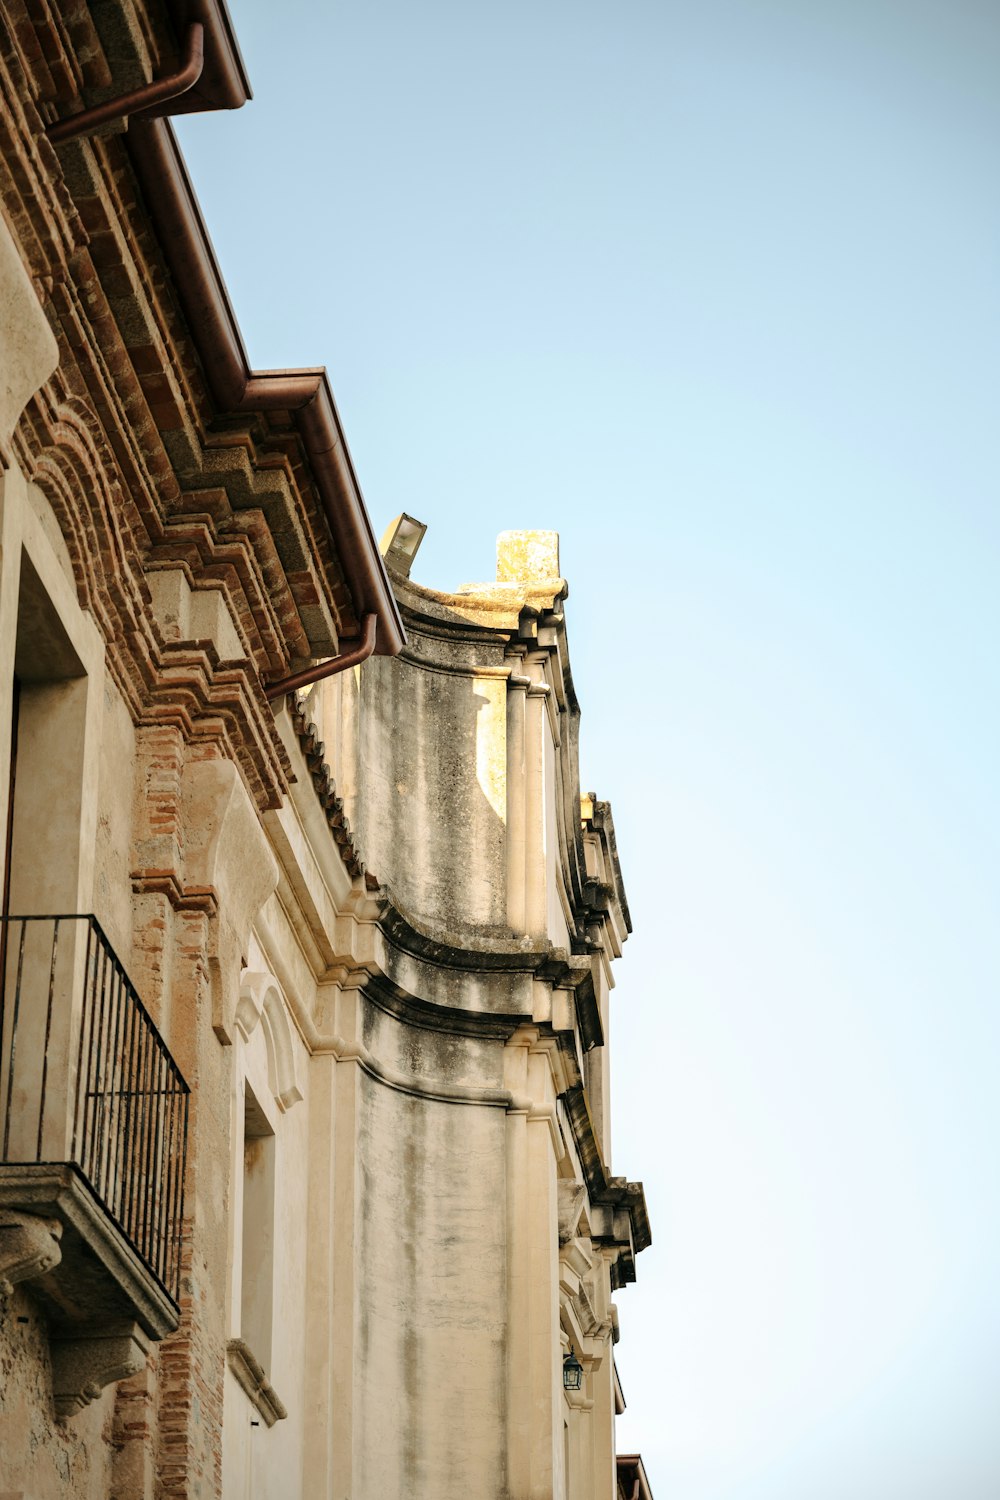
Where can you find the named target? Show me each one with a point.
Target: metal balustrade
(85, 1078)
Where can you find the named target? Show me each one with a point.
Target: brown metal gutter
(149, 96)
(306, 394)
(353, 653)
(224, 83)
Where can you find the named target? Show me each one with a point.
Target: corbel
(91, 1358)
(29, 1246)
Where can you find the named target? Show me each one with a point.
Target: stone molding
(251, 1378)
(618, 1214)
(261, 1003)
(571, 1203)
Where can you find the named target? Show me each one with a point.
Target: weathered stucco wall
(430, 1297)
(38, 1458)
(457, 768)
(431, 771)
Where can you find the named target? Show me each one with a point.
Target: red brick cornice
(305, 394)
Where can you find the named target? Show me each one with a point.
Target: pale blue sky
(712, 288)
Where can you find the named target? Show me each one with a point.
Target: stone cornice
(476, 950)
(624, 1226)
(597, 818)
(479, 608)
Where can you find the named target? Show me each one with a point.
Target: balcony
(93, 1133)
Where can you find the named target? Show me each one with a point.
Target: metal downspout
(157, 92)
(357, 651)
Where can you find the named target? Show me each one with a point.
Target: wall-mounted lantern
(572, 1373)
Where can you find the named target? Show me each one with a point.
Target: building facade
(304, 1101)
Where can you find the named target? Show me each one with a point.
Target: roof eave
(306, 394)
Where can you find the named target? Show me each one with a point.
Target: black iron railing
(85, 1078)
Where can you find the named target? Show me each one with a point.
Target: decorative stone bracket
(104, 1305)
(91, 1358)
(225, 852)
(29, 1246)
(572, 1202)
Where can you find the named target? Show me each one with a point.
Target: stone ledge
(252, 1379)
(100, 1278)
(103, 1303)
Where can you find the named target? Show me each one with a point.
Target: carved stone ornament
(572, 1200)
(83, 1364)
(29, 1246)
(250, 1375)
(261, 1002)
(593, 1327)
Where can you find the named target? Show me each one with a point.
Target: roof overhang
(304, 394)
